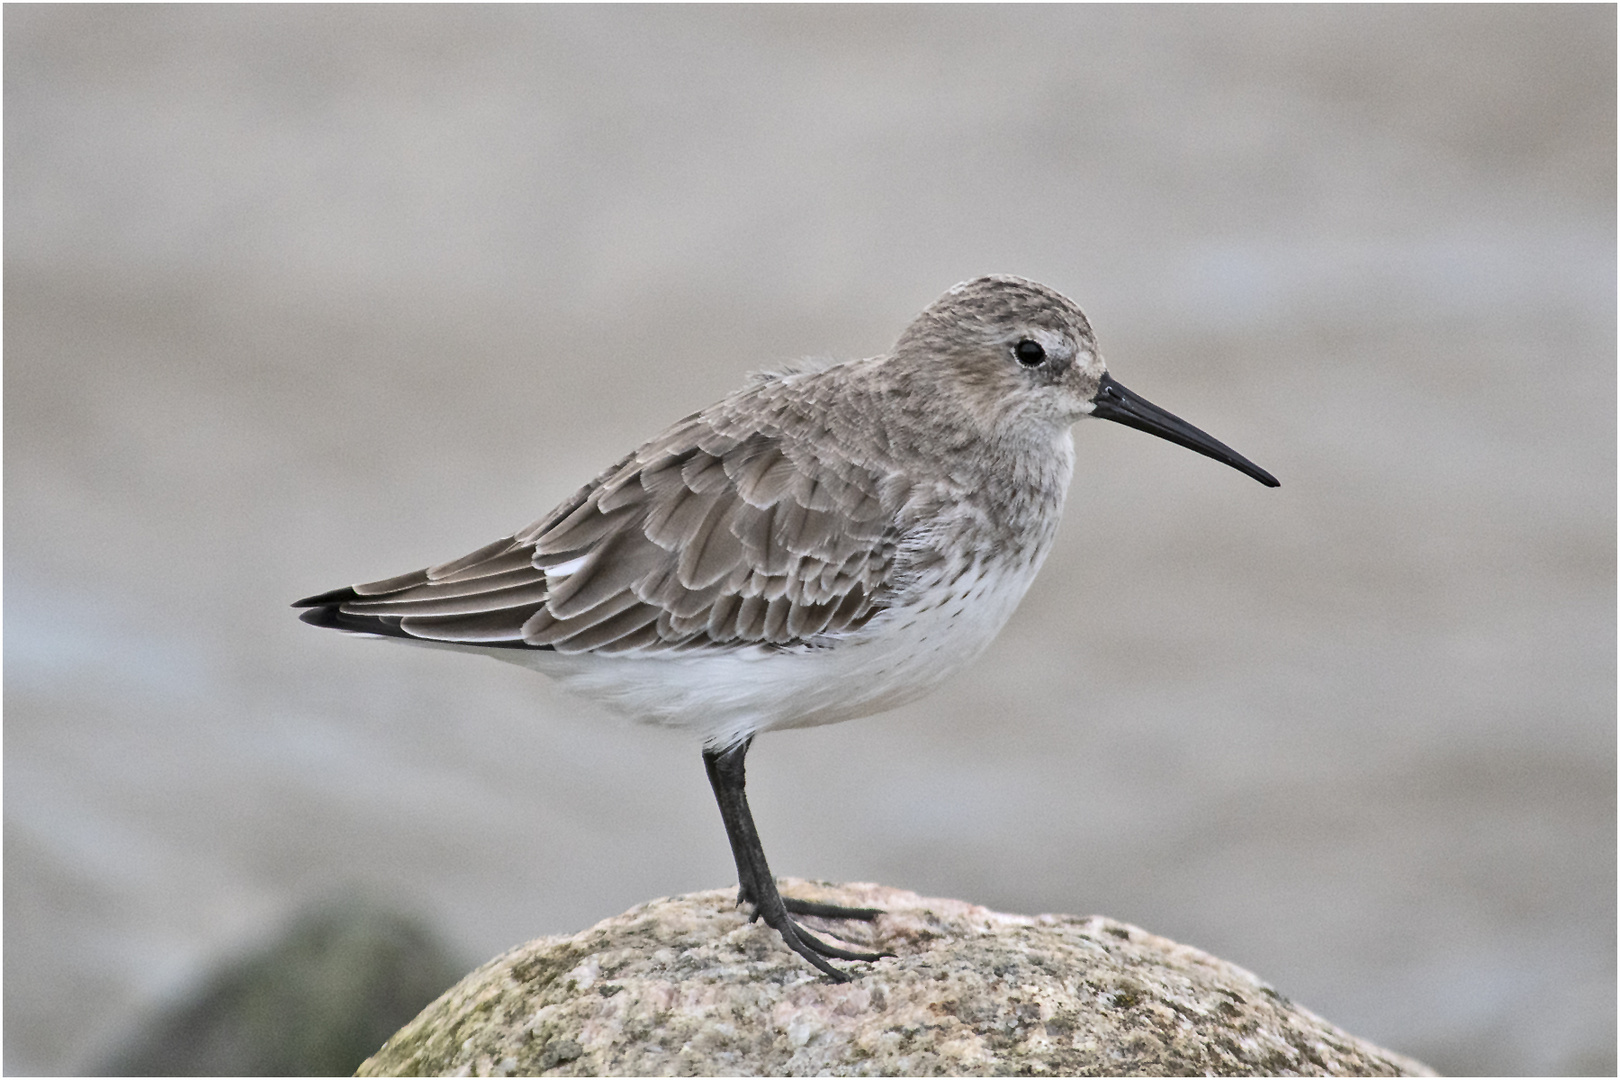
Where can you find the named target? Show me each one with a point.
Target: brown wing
(702, 539)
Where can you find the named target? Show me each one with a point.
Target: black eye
(1029, 353)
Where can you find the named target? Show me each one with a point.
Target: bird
(829, 541)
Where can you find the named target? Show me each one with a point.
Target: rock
(313, 1002)
(688, 986)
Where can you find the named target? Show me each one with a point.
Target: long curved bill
(1122, 406)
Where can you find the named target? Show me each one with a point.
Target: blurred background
(302, 296)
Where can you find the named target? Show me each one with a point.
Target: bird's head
(1020, 360)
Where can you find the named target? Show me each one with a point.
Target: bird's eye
(1029, 353)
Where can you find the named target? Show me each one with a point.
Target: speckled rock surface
(688, 986)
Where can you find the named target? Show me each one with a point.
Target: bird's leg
(752, 846)
(757, 886)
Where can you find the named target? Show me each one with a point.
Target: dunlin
(827, 542)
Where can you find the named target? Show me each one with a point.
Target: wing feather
(461, 598)
(808, 620)
(516, 557)
(482, 628)
(677, 517)
(751, 618)
(627, 624)
(486, 560)
(713, 552)
(544, 628)
(611, 568)
(711, 536)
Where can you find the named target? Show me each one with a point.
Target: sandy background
(301, 296)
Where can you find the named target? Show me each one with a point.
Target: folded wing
(702, 539)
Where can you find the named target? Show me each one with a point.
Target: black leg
(757, 886)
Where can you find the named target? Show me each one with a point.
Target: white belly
(726, 696)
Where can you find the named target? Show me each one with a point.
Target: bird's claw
(778, 917)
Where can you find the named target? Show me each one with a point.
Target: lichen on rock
(689, 986)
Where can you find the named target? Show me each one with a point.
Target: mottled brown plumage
(773, 518)
(824, 543)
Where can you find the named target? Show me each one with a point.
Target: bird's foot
(774, 911)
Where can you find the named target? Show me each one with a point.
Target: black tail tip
(326, 599)
(329, 616)
(327, 609)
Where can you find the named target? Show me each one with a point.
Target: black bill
(1114, 402)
